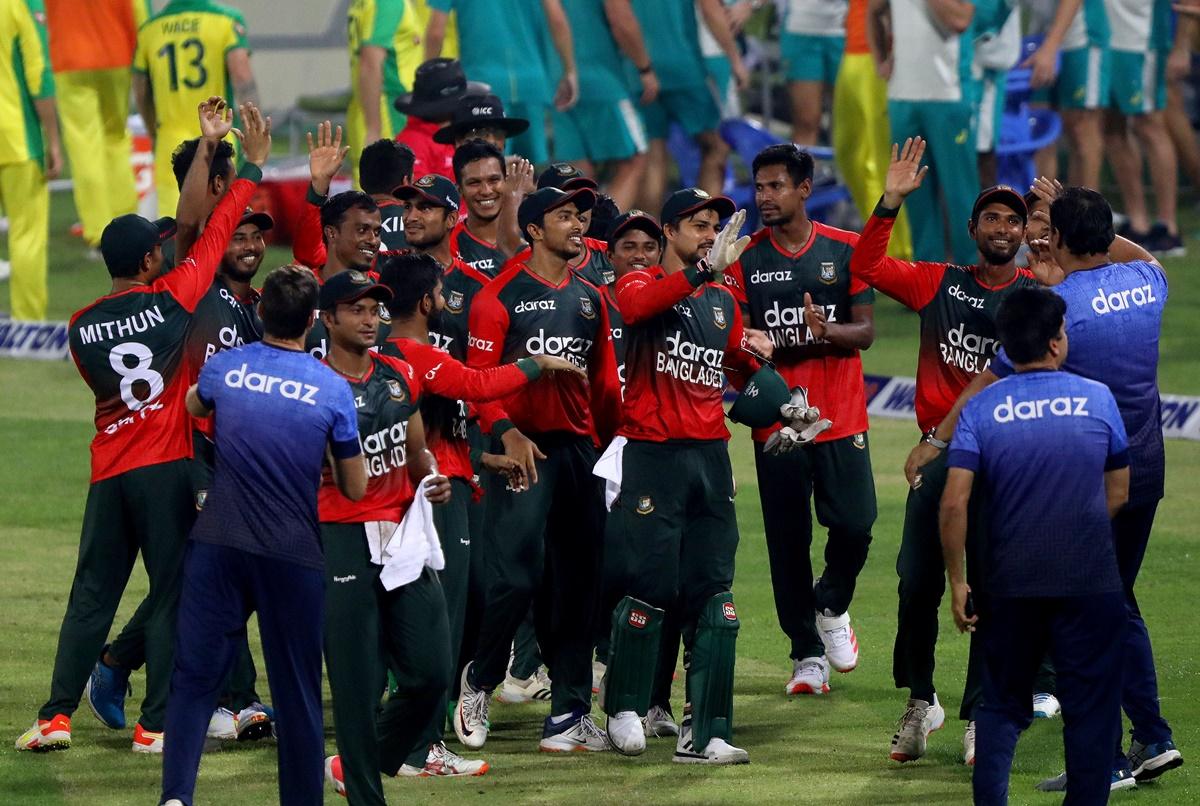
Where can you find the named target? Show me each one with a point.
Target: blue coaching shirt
(276, 410)
(1114, 317)
(1040, 443)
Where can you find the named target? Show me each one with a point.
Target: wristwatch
(929, 438)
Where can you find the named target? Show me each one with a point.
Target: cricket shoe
(577, 733)
(717, 752)
(333, 774)
(598, 670)
(1121, 779)
(471, 713)
(47, 734)
(147, 741)
(841, 644)
(515, 691)
(1151, 760)
(920, 719)
(255, 721)
(1045, 706)
(809, 676)
(626, 733)
(444, 763)
(222, 724)
(105, 693)
(969, 744)
(659, 722)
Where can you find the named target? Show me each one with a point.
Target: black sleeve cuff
(885, 212)
(312, 197)
(250, 171)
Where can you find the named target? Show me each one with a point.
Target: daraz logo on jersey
(240, 378)
(691, 362)
(1008, 411)
(785, 324)
(386, 449)
(1105, 303)
(969, 352)
(573, 348)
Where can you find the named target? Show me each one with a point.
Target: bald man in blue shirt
(1050, 452)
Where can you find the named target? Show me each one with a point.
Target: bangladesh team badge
(425, 181)
(645, 505)
(358, 278)
(719, 316)
(828, 272)
(454, 302)
(395, 390)
(859, 441)
(385, 315)
(586, 308)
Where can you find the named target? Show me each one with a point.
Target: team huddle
(477, 429)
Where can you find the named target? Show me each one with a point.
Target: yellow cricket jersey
(395, 27)
(24, 77)
(182, 49)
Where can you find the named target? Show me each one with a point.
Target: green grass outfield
(811, 750)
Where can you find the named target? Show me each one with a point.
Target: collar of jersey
(570, 273)
(812, 236)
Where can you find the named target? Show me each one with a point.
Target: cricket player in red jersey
(129, 348)
(492, 190)
(957, 306)
(792, 265)
(677, 531)
(545, 541)
(449, 386)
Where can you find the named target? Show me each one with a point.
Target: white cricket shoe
(809, 676)
(626, 733)
(920, 719)
(969, 744)
(222, 724)
(576, 735)
(1045, 706)
(442, 762)
(841, 644)
(471, 713)
(659, 722)
(515, 691)
(717, 751)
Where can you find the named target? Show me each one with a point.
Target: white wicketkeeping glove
(728, 247)
(797, 411)
(787, 439)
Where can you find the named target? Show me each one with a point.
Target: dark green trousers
(544, 547)
(129, 647)
(453, 527)
(676, 536)
(369, 631)
(922, 573)
(836, 476)
(148, 510)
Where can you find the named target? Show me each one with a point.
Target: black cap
(258, 218)
(542, 201)
(478, 112)
(129, 238)
(432, 187)
(634, 219)
(351, 286)
(437, 87)
(1001, 194)
(692, 200)
(564, 176)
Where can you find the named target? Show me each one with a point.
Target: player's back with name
(276, 411)
(519, 314)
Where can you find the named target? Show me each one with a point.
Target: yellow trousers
(93, 106)
(390, 121)
(862, 142)
(26, 198)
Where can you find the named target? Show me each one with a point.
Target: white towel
(406, 548)
(609, 468)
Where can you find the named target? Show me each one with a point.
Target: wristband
(642, 71)
(929, 439)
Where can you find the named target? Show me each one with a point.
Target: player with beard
(793, 267)
(418, 303)
(492, 192)
(957, 306)
(382, 166)
(545, 540)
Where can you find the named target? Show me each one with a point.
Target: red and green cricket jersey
(385, 398)
(221, 321)
(770, 283)
(477, 253)
(460, 284)
(130, 349)
(680, 340)
(592, 265)
(521, 314)
(616, 326)
(308, 240)
(958, 314)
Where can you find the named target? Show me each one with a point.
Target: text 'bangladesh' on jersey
(679, 340)
(958, 315)
(384, 399)
(130, 349)
(520, 314)
(221, 321)
(770, 283)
